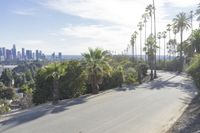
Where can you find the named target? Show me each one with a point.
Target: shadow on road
(39, 112)
(190, 120)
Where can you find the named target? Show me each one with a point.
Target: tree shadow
(190, 120)
(40, 111)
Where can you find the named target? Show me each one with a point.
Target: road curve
(148, 108)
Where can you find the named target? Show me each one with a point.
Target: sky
(72, 26)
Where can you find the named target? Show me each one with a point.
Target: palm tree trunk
(164, 51)
(145, 38)
(181, 51)
(141, 44)
(155, 73)
(55, 91)
(159, 50)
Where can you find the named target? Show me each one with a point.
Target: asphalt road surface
(148, 108)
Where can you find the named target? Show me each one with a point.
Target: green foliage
(73, 82)
(96, 64)
(6, 77)
(6, 92)
(194, 69)
(131, 76)
(4, 107)
(172, 65)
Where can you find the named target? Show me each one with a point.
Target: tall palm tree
(154, 14)
(96, 63)
(145, 17)
(140, 25)
(182, 23)
(198, 13)
(168, 44)
(149, 10)
(55, 71)
(133, 42)
(159, 36)
(164, 37)
(191, 19)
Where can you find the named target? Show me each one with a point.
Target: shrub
(7, 93)
(194, 69)
(4, 107)
(131, 76)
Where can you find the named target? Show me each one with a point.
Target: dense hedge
(194, 69)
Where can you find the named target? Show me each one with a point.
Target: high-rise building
(4, 52)
(37, 55)
(29, 54)
(23, 54)
(14, 52)
(8, 54)
(60, 56)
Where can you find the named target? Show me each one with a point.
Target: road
(148, 108)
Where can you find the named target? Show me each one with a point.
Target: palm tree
(164, 37)
(159, 37)
(149, 10)
(198, 13)
(154, 14)
(96, 63)
(169, 45)
(55, 71)
(191, 18)
(133, 42)
(140, 25)
(145, 17)
(182, 23)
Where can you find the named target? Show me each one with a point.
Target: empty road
(148, 108)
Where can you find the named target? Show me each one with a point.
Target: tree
(151, 52)
(55, 71)
(182, 23)
(145, 17)
(195, 41)
(168, 44)
(140, 25)
(133, 42)
(149, 10)
(164, 37)
(198, 13)
(96, 63)
(159, 37)
(6, 77)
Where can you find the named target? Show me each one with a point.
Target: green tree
(96, 63)
(6, 77)
(140, 25)
(133, 42)
(55, 71)
(195, 41)
(159, 36)
(182, 23)
(198, 13)
(164, 37)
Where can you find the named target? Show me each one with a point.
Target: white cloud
(122, 14)
(25, 12)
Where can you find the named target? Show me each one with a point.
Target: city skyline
(72, 26)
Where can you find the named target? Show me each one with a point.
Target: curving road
(148, 108)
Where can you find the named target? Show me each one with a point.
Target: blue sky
(71, 26)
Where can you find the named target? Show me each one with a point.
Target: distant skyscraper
(14, 52)
(60, 56)
(4, 52)
(23, 53)
(8, 54)
(37, 54)
(29, 54)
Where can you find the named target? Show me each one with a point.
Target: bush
(26, 101)
(73, 82)
(7, 93)
(131, 76)
(4, 107)
(194, 69)
(172, 65)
